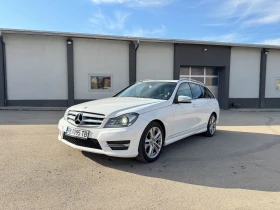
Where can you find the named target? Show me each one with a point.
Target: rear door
(200, 105)
(185, 118)
(210, 100)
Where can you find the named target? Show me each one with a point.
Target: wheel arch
(214, 114)
(162, 125)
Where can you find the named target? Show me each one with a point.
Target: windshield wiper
(141, 97)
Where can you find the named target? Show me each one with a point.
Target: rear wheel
(151, 143)
(211, 127)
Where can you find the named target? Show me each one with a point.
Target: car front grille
(85, 119)
(89, 143)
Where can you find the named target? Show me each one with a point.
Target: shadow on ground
(227, 160)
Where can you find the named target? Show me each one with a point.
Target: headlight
(65, 115)
(122, 121)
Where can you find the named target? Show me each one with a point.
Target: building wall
(92, 56)
(272, 72)
(155, 61)
(2, 73)
(36, 67)
(244, 73)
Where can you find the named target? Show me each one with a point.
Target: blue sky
(241, 21)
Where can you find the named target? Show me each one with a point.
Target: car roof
(174, 81)
(155, 80)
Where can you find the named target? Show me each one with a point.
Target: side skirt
(178, 138)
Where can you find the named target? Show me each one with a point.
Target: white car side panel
(178, 138)
(214, 107)
(185, 119)
(201, 111)
(165, 115)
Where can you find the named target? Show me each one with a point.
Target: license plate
(78, 133)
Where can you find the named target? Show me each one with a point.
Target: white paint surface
(155, 61)
(36, 67)
(272, 72)
(244, 73)
(100, 57)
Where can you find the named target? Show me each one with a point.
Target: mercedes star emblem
(79, 118)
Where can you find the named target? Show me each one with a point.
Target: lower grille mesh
(90, 143)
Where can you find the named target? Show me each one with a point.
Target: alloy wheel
(153, 142)
(212, 124)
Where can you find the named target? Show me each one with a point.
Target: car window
(207, 93)
(154, 90)
(203, 92)
(196, 91)
(184, 90)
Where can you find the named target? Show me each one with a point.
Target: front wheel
(211, 127)
(151, 143)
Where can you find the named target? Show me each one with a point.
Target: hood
(115, 106)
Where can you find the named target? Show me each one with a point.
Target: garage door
(206, 75)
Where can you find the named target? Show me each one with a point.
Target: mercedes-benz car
(141, 119)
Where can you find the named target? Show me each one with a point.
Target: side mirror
(184, 99)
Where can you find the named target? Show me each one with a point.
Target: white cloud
(271, 41)
(231, 37)
(251, 12)
(143, 3)
(140, 32)
(116, 22)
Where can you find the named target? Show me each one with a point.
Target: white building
(40, 68)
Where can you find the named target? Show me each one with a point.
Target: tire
(211, 126)
(150, 146)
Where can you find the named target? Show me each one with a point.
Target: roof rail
(191, 80)
(143, 80)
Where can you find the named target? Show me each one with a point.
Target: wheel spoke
(147, 145)
(157, 145)
(156, 150)
(152, 133)
(150, 151)
(157, 136)
(212, 128)
(148, 140)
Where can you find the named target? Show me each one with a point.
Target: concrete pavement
(239, 168)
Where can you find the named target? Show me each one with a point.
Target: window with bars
(206, 75)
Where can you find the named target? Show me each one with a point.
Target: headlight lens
(122, 121)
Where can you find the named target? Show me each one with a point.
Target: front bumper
(104, 135)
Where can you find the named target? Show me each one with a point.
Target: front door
(185, 117)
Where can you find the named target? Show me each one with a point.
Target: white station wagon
(141, 119)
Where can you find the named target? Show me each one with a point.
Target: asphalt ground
(238, 168)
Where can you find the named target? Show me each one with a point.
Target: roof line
(129, 38)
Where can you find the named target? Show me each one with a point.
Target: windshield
(154, 90)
